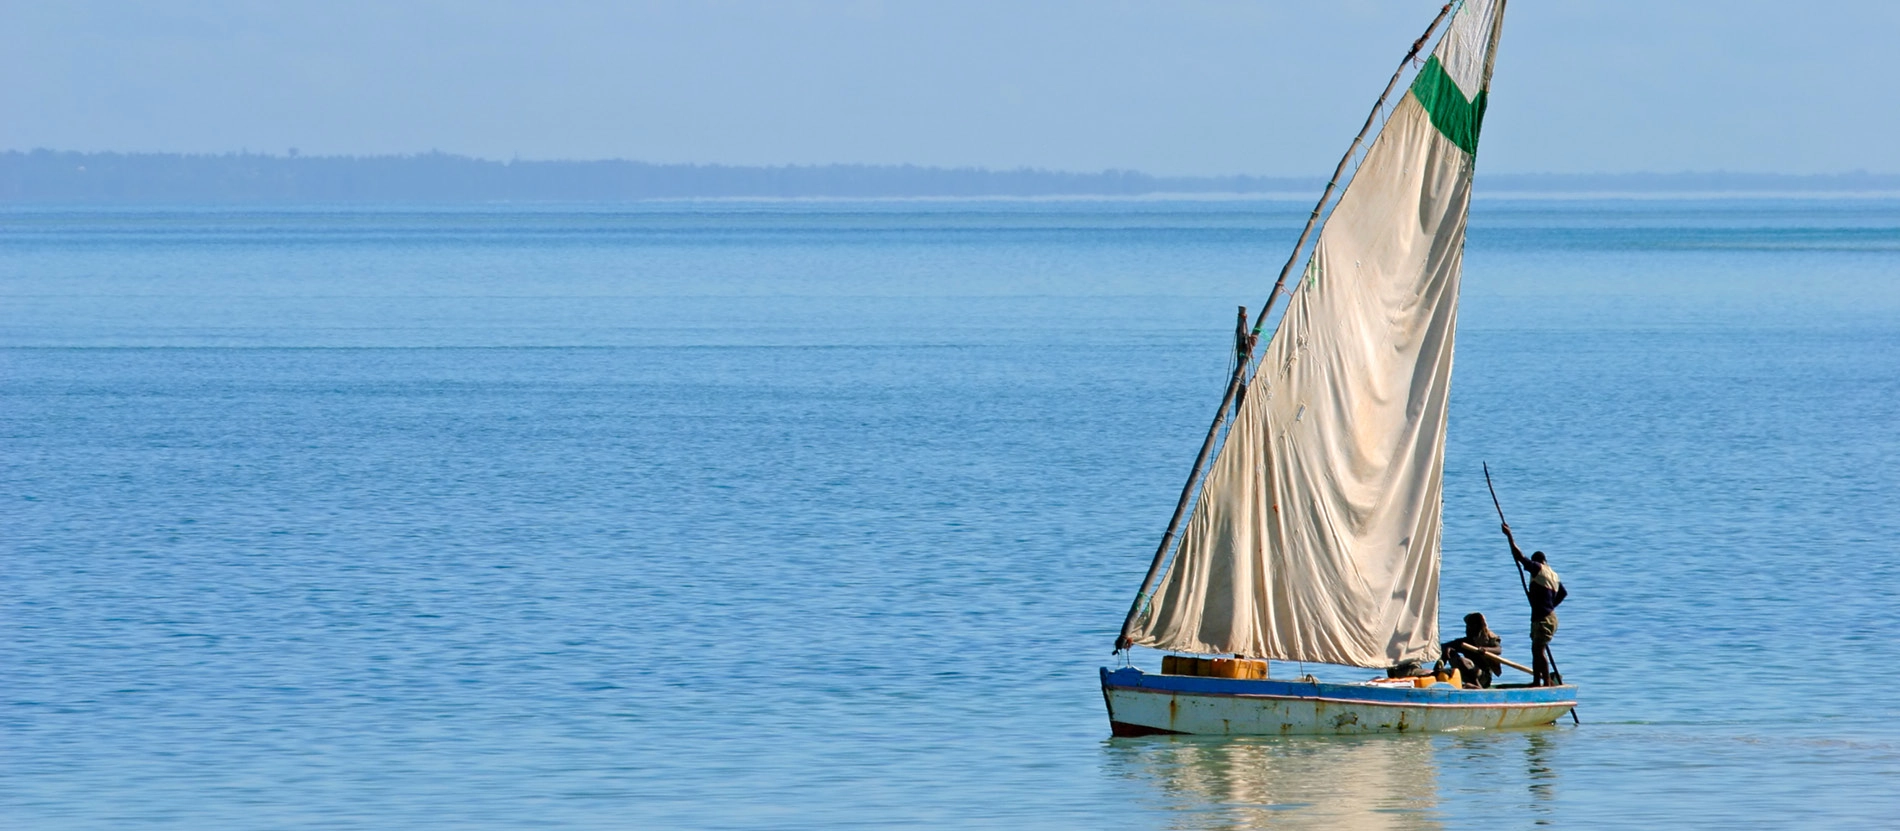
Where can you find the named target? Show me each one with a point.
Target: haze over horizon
(1193, 89)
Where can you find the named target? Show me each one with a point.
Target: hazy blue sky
(1263, 87)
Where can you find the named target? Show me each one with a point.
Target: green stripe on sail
(1453, 115)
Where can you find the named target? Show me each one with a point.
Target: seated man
(1471, 654)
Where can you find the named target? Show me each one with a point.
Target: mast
(1237, 383)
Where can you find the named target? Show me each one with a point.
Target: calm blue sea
(823, 515)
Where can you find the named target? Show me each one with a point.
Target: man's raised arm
(1516, 553)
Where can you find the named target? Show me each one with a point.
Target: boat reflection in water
(1357, 782)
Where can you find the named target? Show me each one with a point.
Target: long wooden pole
(1501, 520)
(1240, 368)
(1509, 663)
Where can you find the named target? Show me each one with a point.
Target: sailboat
(1314, 533)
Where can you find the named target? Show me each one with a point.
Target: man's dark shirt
(1543, 599)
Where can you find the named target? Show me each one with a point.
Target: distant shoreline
(45, 177)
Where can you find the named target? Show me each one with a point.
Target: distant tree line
(57, 177)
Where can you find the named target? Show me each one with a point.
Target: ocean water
(823, 515)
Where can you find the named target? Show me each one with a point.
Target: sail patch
(1456, 116)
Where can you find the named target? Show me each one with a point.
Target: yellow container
(1213, 667)
(1450, 678)
(1239, 668)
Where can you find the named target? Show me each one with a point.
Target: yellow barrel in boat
(1240, 668)
(1213, 667)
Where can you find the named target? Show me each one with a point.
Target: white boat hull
(1143, 704)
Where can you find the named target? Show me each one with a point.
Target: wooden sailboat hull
(1141, 704)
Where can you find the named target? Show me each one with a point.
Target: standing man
(1545, 592)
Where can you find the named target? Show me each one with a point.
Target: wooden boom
(1507, 662)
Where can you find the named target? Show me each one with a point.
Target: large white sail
(1316, 534)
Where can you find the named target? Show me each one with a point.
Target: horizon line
(293, 155)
